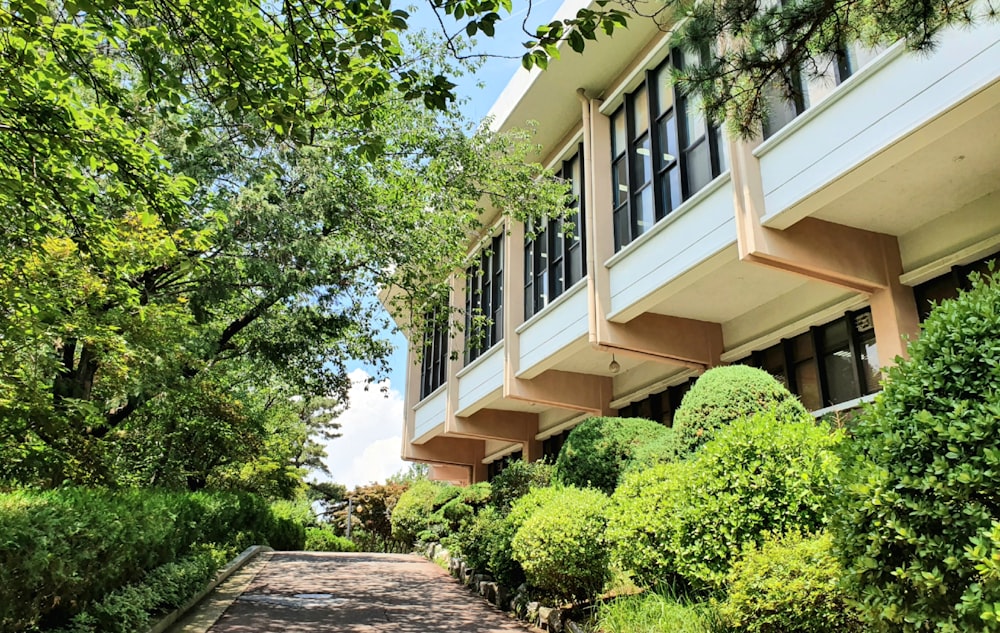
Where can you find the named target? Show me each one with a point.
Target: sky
(369, 447)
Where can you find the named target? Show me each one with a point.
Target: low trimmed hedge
(324, 539)
(790, 584)
(62, 550)
(133, 607)
(561, 545)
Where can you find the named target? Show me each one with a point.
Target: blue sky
(371, 428)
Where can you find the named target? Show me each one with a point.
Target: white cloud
(368, 450)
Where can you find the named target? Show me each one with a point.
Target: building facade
(811, 253)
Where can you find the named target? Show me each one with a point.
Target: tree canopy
(200, 200)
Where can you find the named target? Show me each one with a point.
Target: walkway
(323, 592)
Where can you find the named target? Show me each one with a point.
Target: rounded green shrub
(919, 529)
(561, 545)
(516, 480)
(412, 514)
(598, 450)
(692, 519)
(724, 394)
(789, 585)
(500, 533)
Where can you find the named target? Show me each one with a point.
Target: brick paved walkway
(322, 592)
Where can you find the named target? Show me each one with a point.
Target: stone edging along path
(228, 570)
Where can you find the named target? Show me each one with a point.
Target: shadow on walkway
(320, 592)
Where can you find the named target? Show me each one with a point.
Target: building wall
(799, 253)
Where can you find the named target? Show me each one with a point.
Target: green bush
(561, 545)
(724, 394)
(691, 519)
(516, 480)
(500, 536)
(164, 589)
(62, 550)
(324, 539)
(599, 449)
(476, 539)
(788, 585)
(920, 525)
(412, 514)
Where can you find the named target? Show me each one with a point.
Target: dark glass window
(484, 301)
(554, 254)
(659, 407)
(663, 152)
(552, 445)
(947, 286)
(829, 364)
(434, 364)
(497, 466)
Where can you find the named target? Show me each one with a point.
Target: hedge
(561, 545)
(599, 450)
(64, 549)
(920, 525)
(724, 394)
(692, 519)
(790, 584)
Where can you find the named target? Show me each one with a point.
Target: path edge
(228, 570)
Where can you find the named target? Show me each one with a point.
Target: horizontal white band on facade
(503, 452)
(843, 406)
(942, 265)
(842, 90)
(654, 387)
(818, 317)
(562, 426)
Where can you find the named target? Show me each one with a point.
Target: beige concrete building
(810, 253)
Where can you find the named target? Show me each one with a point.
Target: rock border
(224, 573)
(516, 601)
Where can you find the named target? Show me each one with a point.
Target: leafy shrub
(476, 538)
(724, 394)
(599, 449)
(516, 480)
(412, 513)
(165, 588)
(561, 545)
(664, 448)
(499, 533)
(693, 518)
(788, 585)
(324, 539)
(64, 549)
(920, 526)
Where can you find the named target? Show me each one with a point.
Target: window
(484, 301)
(497, 466)
(658, 407)
(829, 364)
(553, 261)
(434, 364)
(933, 292)
(661, 154)
(552, 445)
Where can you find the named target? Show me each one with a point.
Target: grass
(656, 612)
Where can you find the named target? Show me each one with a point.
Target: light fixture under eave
(614, 367)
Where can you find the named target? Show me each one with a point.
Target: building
(810, 253)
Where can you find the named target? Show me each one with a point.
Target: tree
(760, 48)
(207, 195)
